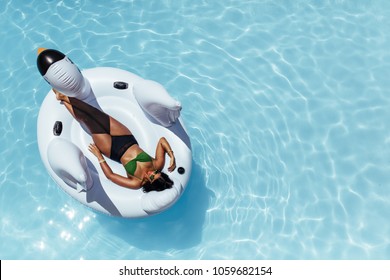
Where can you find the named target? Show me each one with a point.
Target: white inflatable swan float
(143, 106)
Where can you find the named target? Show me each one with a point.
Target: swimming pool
(286, 103)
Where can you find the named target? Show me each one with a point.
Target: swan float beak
(40, 50)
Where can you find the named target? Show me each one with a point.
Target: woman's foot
(60, 96)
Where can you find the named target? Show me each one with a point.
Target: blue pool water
(287, 104)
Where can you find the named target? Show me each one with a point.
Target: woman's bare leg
(98, 120)
(101, 126)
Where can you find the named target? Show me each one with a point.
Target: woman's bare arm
(163, 148)
(115, 178)
(118, 179)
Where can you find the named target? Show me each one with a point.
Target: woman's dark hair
(160, 184)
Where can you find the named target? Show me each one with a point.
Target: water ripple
(286, 104)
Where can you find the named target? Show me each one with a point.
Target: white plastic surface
(156, 101)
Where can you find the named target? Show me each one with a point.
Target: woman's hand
(95, 150)
(172, 164)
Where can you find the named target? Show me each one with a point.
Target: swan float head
(62, 74)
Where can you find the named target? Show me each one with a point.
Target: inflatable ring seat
(143, 106)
